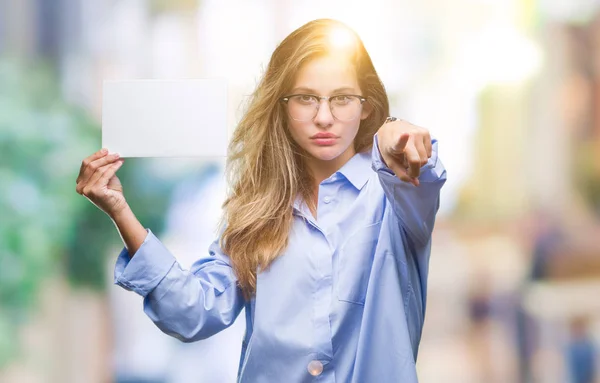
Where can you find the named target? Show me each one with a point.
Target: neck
(321, 169)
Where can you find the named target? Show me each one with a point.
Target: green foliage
(45, 226)
(41, 139)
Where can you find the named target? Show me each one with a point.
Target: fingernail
(104, 150)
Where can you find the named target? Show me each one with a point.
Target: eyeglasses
(304, 107)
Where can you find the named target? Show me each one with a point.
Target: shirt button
(315, 368)
(327, 199)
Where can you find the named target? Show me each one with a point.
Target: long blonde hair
(265, 166)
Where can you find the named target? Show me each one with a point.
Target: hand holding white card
(159, 118)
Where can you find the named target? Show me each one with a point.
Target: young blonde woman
(326, 231)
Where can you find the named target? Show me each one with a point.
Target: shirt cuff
(146, 269)
(377, 161)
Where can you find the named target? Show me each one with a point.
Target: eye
(342, 99)
(305, 99)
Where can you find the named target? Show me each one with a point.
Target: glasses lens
(345, 108)
(303, 107)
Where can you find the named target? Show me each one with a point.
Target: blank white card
(165, 118)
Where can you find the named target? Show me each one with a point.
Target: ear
(367, 108)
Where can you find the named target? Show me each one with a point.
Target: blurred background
(510, 88)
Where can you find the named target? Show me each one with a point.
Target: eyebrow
(346, 89)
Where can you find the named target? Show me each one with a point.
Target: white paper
(165, 118)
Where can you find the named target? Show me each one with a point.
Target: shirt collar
(356, 170)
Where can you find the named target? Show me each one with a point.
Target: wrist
(122, 214)
(131, 230)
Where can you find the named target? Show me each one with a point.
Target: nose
(324, 117)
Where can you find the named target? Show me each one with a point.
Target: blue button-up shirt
(344, 303)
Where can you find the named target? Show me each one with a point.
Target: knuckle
(92, 193)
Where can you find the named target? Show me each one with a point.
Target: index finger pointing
(414, 161)
(402, 141)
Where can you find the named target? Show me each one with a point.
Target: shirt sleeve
(414, 206)
(187, 304)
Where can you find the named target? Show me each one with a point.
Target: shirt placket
(323, 258)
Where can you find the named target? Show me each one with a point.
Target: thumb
(114, 183)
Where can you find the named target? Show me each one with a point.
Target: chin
(326, 153)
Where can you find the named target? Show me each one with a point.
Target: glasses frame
(286, 99)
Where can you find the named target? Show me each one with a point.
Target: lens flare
(341, 38)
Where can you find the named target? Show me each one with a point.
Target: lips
(323, 136)
(324, 139)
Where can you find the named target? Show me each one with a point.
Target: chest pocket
(354, 264)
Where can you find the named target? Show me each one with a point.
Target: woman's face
(327, 136)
